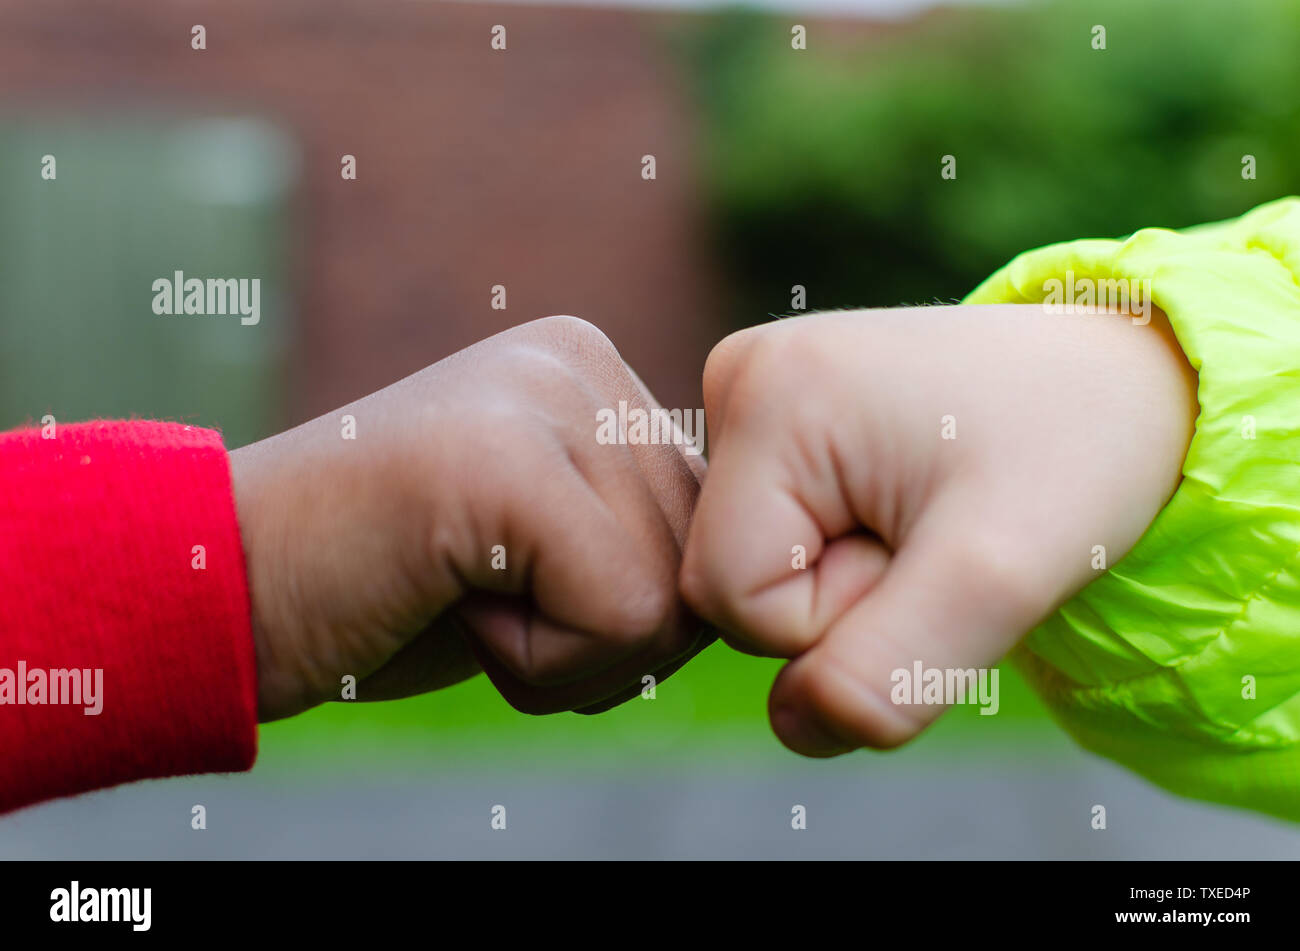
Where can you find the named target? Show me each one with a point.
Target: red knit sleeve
(126, 648)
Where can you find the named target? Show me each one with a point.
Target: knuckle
(573, 338)
(726, 354)
(774, 362)
(644, 611)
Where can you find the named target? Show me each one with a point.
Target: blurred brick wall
(475, 167)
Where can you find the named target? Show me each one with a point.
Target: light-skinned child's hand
(376, 556)
(947, 471)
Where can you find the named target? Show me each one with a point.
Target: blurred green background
(823, 166)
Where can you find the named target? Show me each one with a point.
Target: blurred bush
(824, 164)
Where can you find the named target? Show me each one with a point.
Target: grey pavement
(1000, 805)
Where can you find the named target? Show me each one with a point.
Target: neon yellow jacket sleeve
(1182, 661)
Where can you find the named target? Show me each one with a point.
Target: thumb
(955, 597)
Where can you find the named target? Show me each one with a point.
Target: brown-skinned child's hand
(376, 556)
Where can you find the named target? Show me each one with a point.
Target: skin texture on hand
(828, 432)
(374, 556)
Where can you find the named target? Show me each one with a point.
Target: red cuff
(124, 590)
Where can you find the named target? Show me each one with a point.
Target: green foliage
(823, 165)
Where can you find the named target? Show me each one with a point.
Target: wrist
(343, 561)
(275, 685)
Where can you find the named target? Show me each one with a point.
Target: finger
(596, 692)
(598, 583)
(544, 653)
(955, 598)
(437, 657)
(705, 637)
(650, 488)
(758, 563)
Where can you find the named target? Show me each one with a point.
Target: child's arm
(474, 518)
(1181, 658)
